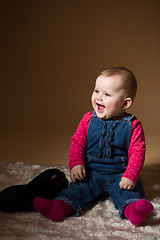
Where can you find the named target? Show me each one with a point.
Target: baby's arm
(78, 172)
(78, 146)
(77, 153)
(136, 157)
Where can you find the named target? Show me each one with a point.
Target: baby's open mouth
(100, 107)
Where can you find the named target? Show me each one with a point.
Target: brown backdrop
(51, 53)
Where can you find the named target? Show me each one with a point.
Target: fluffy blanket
(100, 222)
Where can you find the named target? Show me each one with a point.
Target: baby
(107, 154)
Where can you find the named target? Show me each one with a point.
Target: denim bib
(108, 143)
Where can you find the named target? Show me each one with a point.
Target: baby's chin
(105, 116)
(101, 115)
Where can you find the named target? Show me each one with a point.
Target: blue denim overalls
(107, 158)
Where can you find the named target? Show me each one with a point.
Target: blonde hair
(129, 80)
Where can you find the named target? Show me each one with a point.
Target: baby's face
(108, 97)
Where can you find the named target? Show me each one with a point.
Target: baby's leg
(131, 204)
(137, 211)
(74, 199)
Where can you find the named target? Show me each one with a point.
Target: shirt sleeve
(136, 152)
(77, 152)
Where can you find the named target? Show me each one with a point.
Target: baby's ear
(127, 103)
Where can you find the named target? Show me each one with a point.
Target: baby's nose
(100, 98)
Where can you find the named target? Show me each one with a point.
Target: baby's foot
(53, 209)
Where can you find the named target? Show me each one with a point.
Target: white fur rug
(100, 222)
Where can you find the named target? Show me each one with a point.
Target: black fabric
(47, 184)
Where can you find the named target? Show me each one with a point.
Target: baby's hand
(126, 184)
(78, 172)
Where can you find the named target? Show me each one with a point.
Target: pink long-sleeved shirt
(136, 153)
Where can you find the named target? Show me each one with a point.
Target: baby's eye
(107, 94)
(96, 91)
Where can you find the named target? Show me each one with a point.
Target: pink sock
(53, 209)
(136, 212)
